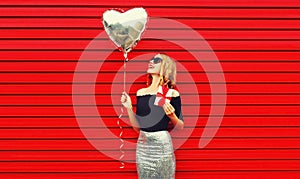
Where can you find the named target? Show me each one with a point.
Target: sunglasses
(156, 60)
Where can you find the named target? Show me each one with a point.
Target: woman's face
(155, 65)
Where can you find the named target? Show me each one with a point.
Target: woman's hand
(126, 101)
(169, 109)
(170, 112)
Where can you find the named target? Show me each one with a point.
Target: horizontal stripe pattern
(256, 43)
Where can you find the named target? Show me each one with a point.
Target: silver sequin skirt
(155, 156)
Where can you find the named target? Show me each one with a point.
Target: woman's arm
(126, 101)
(132, 119)
(170, 112)
(174, 112)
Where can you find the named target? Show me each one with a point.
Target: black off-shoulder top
(152, 118)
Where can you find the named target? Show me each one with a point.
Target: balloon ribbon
(120, 116)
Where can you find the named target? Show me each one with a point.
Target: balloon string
(122, 141)
(124, 75)
(120, 116)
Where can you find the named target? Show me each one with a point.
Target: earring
(166, 82)
(160, 80)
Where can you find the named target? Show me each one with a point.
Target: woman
(154, 155)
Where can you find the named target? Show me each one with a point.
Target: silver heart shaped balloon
(125, 29)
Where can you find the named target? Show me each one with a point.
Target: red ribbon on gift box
(162, 96)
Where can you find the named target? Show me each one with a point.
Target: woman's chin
(151, 72)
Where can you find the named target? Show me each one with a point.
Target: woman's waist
(157, 136)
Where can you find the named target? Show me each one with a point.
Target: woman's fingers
(125, 94)
(168, 108)
(123, 98)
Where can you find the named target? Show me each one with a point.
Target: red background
(256, 42)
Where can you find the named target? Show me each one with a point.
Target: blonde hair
(167, 72)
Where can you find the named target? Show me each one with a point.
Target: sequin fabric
(154, 155)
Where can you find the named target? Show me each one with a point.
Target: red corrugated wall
(256, 42)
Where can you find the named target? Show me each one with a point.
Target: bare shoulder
(140, 92)
(175, 93)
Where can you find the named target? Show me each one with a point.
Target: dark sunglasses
(156, 60)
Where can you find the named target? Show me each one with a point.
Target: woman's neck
(155, 82)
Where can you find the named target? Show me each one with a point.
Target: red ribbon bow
(162, 96)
